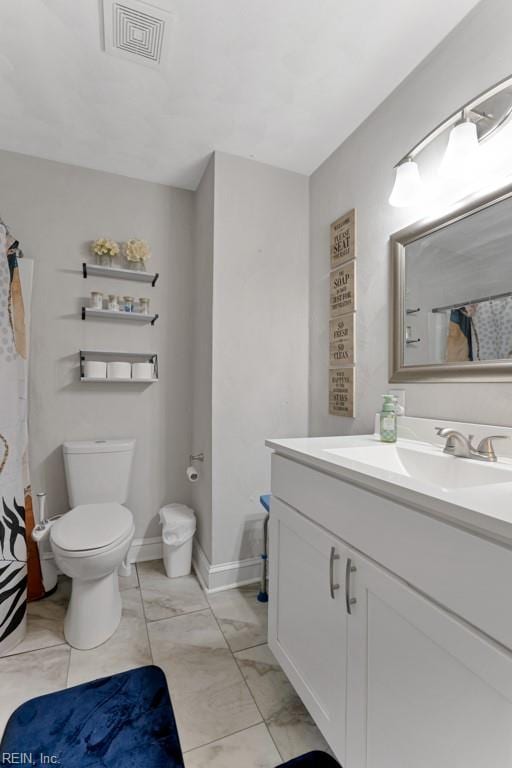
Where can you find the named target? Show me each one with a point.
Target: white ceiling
(283, 81)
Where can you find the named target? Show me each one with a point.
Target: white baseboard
(214, 578)
(142, 550)
(217, 578)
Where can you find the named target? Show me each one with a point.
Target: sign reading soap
(342, 290)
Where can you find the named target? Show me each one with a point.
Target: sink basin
(428, 465)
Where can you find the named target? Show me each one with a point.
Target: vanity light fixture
(460, 160)
(474, 123)
(408, 188)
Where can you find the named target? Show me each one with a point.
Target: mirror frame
(470, 372)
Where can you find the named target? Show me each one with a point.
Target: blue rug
(123, 721)
(312, 760)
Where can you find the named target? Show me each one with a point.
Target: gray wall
(360, 174)
(260, 339)
(55, 210)
(202, 354)
(250, 342)
(232, 337)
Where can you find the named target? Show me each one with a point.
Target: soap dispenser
(388, 419)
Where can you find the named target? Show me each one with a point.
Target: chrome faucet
(459, 445)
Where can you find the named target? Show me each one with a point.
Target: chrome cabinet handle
(332, 586)
(349, 601)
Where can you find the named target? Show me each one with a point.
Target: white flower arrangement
(137, 250)
(105, 247)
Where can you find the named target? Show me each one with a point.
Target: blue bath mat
(312, 760)
(122, 721)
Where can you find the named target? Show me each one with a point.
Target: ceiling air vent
(136, 31)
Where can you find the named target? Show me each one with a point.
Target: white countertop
(485, 509)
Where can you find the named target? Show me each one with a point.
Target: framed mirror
(452, 294)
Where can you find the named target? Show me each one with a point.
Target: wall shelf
(119, 273)
(110, 314)
(92, 380)
(109, 356)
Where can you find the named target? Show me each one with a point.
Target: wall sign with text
(341, 391)
(341, 340)
(343, 239)
(342, 302)
(343, 293)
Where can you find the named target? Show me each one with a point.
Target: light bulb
(408, 188)
(462, 155)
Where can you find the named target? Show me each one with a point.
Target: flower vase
(138, 266)
(105, 260)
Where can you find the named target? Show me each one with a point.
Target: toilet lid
(92, 526)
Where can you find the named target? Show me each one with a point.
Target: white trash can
(178, 528)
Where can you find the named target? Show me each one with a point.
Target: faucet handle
(486, 447)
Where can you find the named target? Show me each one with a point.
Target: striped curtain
(13, 447)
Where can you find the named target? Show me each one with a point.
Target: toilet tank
(98, 470)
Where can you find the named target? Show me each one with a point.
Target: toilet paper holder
(196, 457)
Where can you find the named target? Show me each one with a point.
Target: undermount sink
(428, 465)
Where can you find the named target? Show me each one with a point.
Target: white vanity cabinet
(424, 689)
(307, 622)
(392, 678)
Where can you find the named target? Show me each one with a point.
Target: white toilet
(91, 540)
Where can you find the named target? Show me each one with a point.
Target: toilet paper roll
(95, 369)
(142, 371)
(119, 370)
(192, 474)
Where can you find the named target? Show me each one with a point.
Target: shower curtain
(15, 497)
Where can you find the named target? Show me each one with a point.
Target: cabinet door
(424, 688)
(307, 616)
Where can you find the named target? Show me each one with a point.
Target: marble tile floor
(233, 704)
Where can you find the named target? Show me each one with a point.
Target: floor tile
(127, 648)
(291, 726)
(252, 748)
(31, 674)
(242, 619)
(209, 695)
(165, 597)
(45, 620)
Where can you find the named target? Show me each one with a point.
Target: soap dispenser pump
(388, 432)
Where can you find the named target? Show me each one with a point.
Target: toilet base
(94, 611)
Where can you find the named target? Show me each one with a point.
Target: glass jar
(128, 303)
(104, 260)
(96, 300)
(138, 266)
(144, 306)
(113, 303)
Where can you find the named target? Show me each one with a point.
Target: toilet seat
(91, 528)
